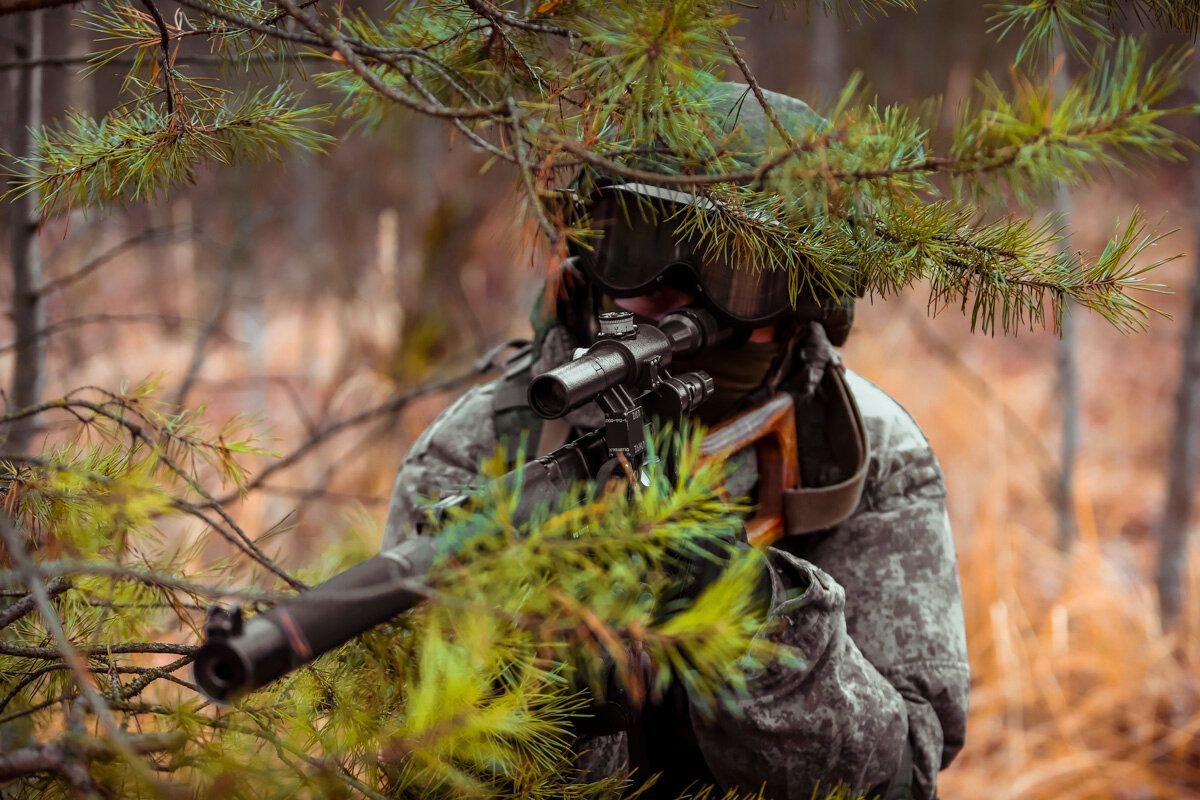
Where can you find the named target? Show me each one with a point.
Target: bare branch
(392, 406)
(144, 237)
(165, 55)
(96, 319)
(200, 350)
(321, 493)
(19, 6)
(56, 756)
(21, 607)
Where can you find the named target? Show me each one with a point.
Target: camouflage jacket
(880, 624)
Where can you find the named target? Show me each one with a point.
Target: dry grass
(1076, 692)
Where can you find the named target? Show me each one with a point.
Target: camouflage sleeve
(879, 623)
(443, 460)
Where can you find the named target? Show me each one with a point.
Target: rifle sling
(518, 429)
(809, 509)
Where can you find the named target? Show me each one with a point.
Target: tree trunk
(826, 77)
(1068, 387)
(1185, 442)
(1068, 368)
(28, 309)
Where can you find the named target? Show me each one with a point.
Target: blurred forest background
(304, 293)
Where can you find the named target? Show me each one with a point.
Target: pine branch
(65, 649)
(1077, 21)
(140, 153)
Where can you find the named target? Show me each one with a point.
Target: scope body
(621, 358)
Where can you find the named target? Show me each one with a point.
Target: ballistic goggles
(641, 245)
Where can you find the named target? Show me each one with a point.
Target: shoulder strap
(517, 427)
(816, 508)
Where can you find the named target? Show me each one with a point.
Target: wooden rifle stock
(771, 430)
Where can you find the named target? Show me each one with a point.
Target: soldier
(865, 584)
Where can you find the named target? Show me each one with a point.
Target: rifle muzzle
(239, 656)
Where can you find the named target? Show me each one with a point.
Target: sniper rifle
(624, 372)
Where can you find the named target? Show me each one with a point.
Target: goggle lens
(640, 246)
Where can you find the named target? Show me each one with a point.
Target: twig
(165, 57)
(198, 60)
(768, 164)
(157, 672)
(235, 536)
(315, 493)
(36, 707)
(338, 771)
(56, 756)
(499, 16)
(145, 237)
(471, 135)
(333, 38)
(14, 612)
(249, 24)
(983, 388)
(149, 676)
(200, 350)
(66, 649)
(727, 40)
(124, 648)
(138, 433)
(160, 605)
(96, 319)
(68, 568)
(514, 117)
(392, 406)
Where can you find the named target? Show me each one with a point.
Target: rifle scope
(622, 356)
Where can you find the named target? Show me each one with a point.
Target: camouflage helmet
(631, 256)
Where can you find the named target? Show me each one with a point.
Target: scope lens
(548, 397)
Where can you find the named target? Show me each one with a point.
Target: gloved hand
(619, 708)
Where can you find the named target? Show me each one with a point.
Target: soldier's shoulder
(901, 457)
(465, 427)
(887, 422)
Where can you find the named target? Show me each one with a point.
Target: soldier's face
(666, 298)
(657, 304)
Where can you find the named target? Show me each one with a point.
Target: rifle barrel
(294, 632)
